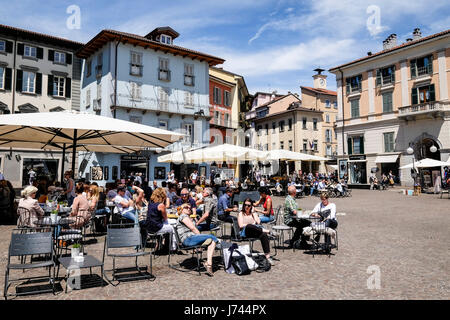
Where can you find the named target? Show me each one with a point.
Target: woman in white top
(326, 211)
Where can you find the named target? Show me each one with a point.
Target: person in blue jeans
(190, 236)
(125, 205)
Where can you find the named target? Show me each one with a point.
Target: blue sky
(274, 44)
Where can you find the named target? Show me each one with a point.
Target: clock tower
(320, 80)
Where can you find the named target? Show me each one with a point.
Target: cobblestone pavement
(405, 237)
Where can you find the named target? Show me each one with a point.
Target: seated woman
(265, 199)
(156, 221)
(190, 236)
(326, 211)
(80, 207)
(250, 225)
(141, 206)
(31, 205)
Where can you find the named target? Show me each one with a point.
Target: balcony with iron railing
(424, 70)
(163, 75)
(433, 108)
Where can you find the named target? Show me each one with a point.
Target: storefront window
(130, 165)
(358, 173)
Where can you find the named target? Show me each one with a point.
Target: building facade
(319, 98)
(38, 73)
(147, 80)
(390, 101)
(284, 123)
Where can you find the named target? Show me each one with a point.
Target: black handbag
(239, 263)
(262, 262)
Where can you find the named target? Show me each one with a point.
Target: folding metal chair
(195, 250)
(29, 242)
(119, 237)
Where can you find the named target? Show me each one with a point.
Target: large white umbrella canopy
(82, 128)
(222, 152)
(69, 130)
(280, 154)
(426, 163)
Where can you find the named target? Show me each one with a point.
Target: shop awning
(392, 158)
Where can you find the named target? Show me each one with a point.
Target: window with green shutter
(387, 102)
(349, 146)
(388, 142)
(354, 108)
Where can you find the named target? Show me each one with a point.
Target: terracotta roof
(275, 100)
(106, 36)
(287, 111)
(36, 36)
(406, 44)
(320, 91)
(166, 30)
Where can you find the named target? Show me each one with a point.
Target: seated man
(171, 195)
(290, 211)
(208, 220)
(224, 210)
(124, 205)
(186, 198)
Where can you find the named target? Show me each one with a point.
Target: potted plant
(54, 216)
(75, 250)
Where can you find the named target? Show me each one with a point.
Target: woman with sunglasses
(190, 236)
(250, 225)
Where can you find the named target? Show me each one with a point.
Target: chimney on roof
(272, 97)
(390, 42)
(369, 53)
(417, 34)
(409, 40)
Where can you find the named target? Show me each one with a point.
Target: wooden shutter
(9, 46)
(393, 75)
(20, 49)
(347, 85)
(412, 65)
(38, 88)
(349, 146)
(50, 85)
(51, 55)
(8, 78)
(378, 77)
(68, 87)
(39, 53)
(19, 80)
(432, 93)
(68, 58)
(361, 145)
(414, 97)
(386, 142)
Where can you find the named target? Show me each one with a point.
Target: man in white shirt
(322, 185)
(125, 205)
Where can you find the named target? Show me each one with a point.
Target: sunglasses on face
(247, 205)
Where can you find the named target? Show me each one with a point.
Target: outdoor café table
(48, 222)
(89, 262)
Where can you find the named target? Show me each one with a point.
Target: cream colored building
(391, 100)
(38, 73)
(324, 100)
(284, 124)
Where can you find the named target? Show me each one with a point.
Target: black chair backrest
(237, 230)
(30, 243)
(177, 236)
(119, 236)
(24, 217)
(254, 195)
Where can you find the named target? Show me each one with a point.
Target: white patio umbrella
(426, 163)
(280, 154)
(68, 130)
(222, 152)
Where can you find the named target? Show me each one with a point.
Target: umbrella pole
(62, 161)
(74, 150)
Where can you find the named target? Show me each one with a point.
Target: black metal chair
(238, 238)
(29, 242)
(23, 218)
(321, 240)
(71, 232)
(123, 236)
(195, 250)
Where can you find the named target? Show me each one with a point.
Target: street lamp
(410, 151)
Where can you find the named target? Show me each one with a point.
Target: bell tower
(320, 80)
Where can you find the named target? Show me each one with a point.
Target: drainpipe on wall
(115, 78)
(342, 103)
(13, 107)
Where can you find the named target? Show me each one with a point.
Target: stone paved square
(406, 237)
